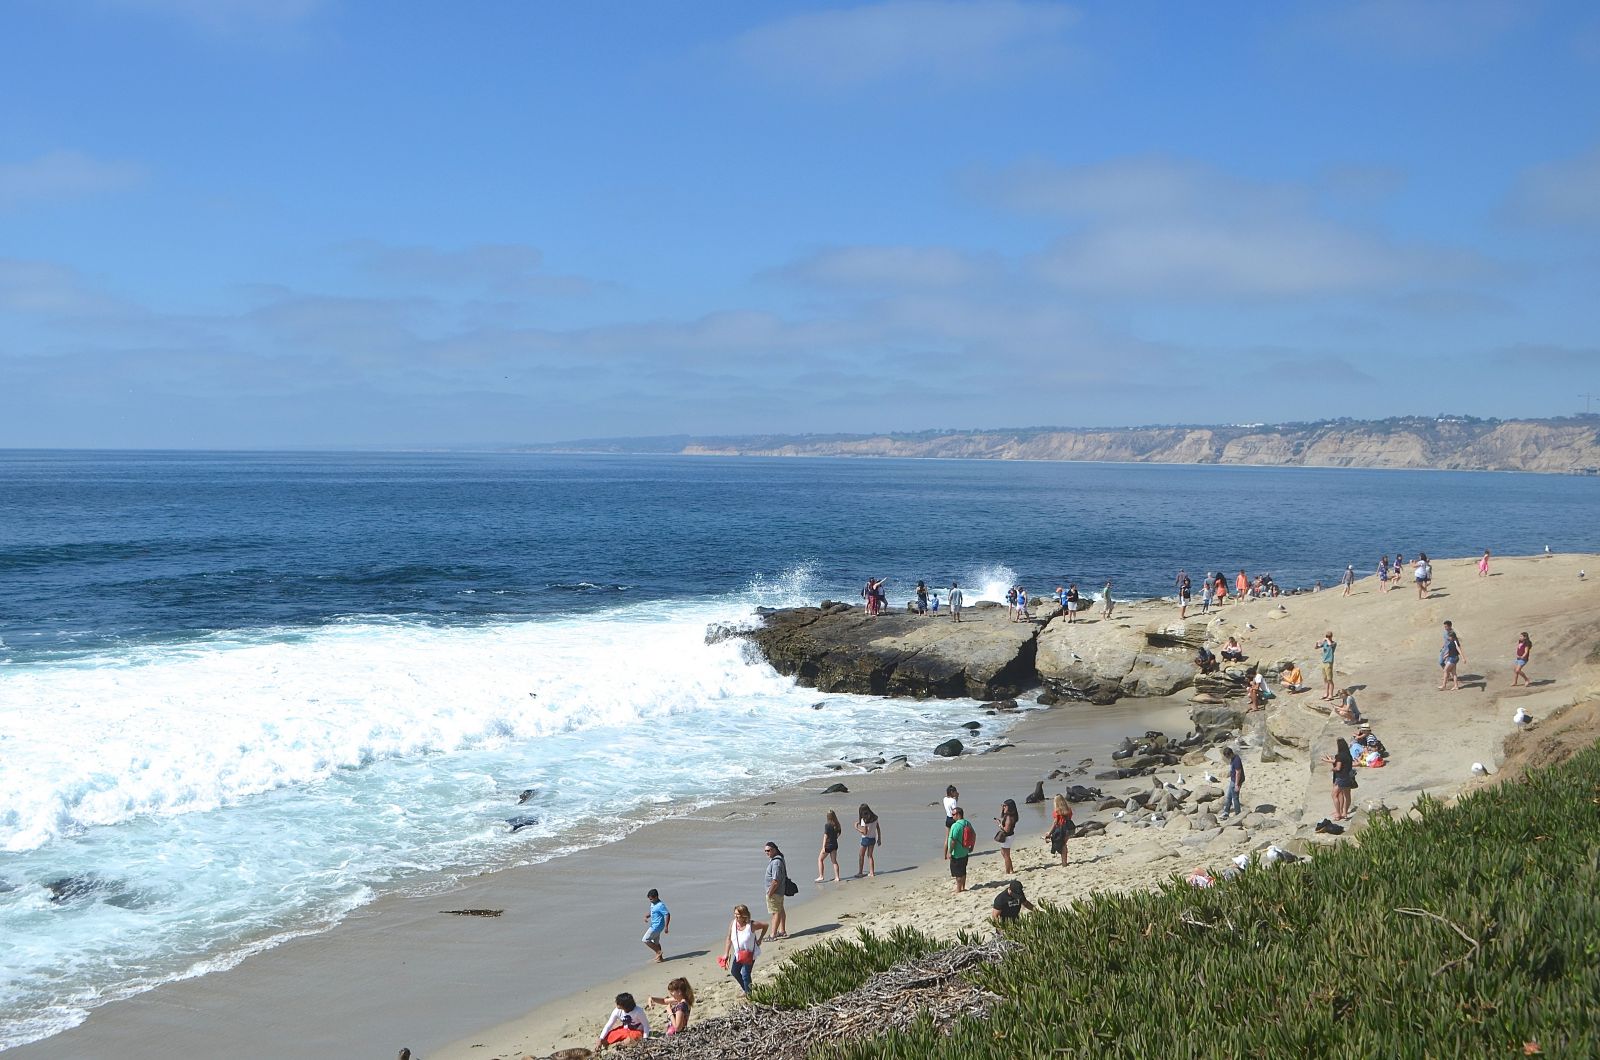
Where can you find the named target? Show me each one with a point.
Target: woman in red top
(1060, 827)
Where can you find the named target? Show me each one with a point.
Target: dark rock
(835, 789)
(971, 726)
(1048, 699)
(1005, 705)
(948, 749)
(1037, 795)
(843, 650)
(1266, 807)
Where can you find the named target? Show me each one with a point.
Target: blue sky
(264, 223)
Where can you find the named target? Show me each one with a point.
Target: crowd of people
(745, 936)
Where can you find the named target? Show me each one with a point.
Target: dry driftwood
(887, 1002)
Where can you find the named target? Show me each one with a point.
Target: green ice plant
(1464, 930)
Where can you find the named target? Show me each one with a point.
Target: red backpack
(969, 838)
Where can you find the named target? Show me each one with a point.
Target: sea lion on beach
(1038, 794)
(519, 823)
(527, 793)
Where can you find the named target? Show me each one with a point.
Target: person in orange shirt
(1242, 585)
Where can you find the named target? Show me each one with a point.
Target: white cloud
(1561, 193)
(507, 269)
(46, 288)
(942, 40)
(1415, 29)
(1159, 227)
(61, 175)
(875, 268)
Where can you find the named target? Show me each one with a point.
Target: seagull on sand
(1521, 717)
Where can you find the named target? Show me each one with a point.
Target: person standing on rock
(1106, 600)
(1205, 595)
(957, 599)
(1349, 578)
(1184, 585)
(1022, 604)
(1383, 575)
(1230, 799)
(922, 598)
(959, 842)
(1422, 574)
(1242, 585)
(871, 597)
(1327, 646)
(1073, 601)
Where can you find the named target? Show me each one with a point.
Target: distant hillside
(1444, 442)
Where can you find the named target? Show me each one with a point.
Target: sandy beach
(541, 976)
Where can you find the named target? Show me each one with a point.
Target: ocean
(241, 695)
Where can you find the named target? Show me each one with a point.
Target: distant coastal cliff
(1463, 443)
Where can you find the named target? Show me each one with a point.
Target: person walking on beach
(1184, 586)
(1423, 574)
(1483, 565)
(1327, 646)
(1060, 827)
(871, 832)
(628, 1023)
(1006, 828)
(678, 1001)
(777, 890)
(1450, 659)
(957, 599)
(1344, 779)
(831, 830)
(1105, 599)
(1383, 575)
(658, 922)
(1524, 651)
(1230, 799)
(959, 842)
(1349, 578)
(742, 946)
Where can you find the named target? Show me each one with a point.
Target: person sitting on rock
(1205, 660)
(1293, 680)
(1232, 651)
(1346, 707)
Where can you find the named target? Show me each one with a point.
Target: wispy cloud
(49, 289)
(933, 40)
(59, 175)
(510, 270)
(1560, 193)
(1415, 29)
(879, 268)
(1176, 229)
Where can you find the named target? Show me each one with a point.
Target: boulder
(1203, 821)
(1102, 661)
(1206, 794)
(948, 749)
(841, 649)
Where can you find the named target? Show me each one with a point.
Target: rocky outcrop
(840, 649)
(1101, 661)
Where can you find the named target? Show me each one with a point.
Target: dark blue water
(107, 548)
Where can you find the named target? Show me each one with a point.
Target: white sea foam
(229, 793)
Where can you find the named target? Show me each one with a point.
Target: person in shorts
(958, 847)
(1328, 646)
(658, 921)
(777, 877)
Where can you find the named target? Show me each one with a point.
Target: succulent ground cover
(1470, 929)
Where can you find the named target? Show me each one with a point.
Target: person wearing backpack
(958, 847)
(778, 888)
